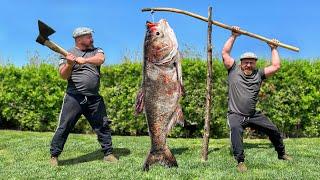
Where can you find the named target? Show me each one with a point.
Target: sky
(120, 26)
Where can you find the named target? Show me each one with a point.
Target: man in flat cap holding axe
(81, 68)
(244, 81)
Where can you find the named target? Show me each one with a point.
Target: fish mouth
(151, 25)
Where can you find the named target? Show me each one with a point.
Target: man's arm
(275, 60)
(97, 59)
(66, 68)
(226, 57)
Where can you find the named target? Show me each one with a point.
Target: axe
(44, 32)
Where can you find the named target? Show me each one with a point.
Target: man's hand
(275, 44)
(235, 31)
(81, 60)
(70, 59)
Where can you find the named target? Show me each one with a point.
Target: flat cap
(80, 31)
(248, 55)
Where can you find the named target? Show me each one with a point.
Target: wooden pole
(223, 26)
(206, 133)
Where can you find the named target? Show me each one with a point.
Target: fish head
(160, 40)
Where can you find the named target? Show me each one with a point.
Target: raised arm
(226, 51)
(275, 60)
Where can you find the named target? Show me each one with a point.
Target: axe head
(44, 32)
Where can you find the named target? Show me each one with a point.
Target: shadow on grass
(178, 151)
(95, 155)
(211, 150)
(257, 145)
(246, 146)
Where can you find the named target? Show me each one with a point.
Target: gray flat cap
(248, 55)
(80, 31)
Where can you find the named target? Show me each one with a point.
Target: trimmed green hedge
(31, 98)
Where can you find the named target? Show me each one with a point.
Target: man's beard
(88, 46)
(247, 71)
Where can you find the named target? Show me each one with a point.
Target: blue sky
(120, 25)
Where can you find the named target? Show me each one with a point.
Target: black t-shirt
(85, 78)
(243, 90)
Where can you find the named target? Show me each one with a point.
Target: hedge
(31, 98)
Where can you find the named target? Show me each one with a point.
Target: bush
(31, 98)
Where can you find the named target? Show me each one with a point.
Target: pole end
(146, 9)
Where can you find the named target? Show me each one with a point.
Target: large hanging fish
(161, 90)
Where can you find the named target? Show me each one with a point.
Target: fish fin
(163, 157)
(139, 102)
(177, 118)
(179, 74)
(182, 90)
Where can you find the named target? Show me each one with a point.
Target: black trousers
(93, 108)
(258, 121)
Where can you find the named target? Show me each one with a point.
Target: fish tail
(163, 157)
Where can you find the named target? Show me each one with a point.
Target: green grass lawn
(26, 155)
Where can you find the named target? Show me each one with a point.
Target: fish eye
(157, 33)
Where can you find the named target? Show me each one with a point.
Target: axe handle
(56, 48)
(221, 25)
